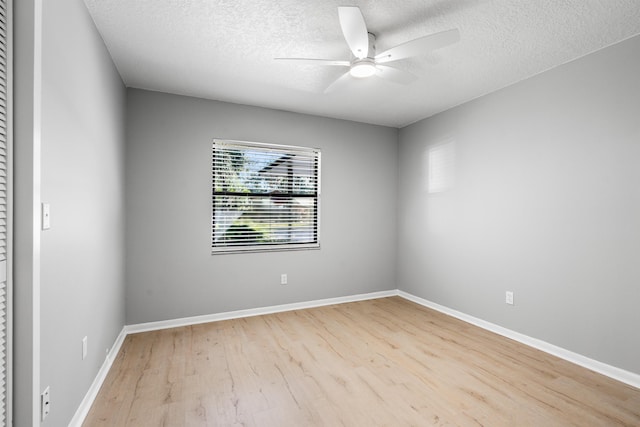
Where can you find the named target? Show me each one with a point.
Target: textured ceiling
(224, 49)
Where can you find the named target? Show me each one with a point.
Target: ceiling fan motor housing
(365, 67)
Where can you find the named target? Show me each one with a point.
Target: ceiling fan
(365, 61)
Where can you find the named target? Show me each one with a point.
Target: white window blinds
(5, 331)
(265, 197)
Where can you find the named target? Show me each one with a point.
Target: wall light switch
(84, 348)
(46, 216)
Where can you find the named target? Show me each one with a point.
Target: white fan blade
(340, 82)
(354, 30)
(313, 61)
(419, 46)
(395, 75)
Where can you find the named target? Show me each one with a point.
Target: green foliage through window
(264, 197)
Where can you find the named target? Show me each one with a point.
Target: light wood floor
(381, 362)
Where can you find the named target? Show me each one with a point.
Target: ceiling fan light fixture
(363, 68)
(365, 63)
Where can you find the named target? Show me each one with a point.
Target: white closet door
(5, 218)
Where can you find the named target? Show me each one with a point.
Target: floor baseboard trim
(85, 405)
(187, 321)
(621, 375)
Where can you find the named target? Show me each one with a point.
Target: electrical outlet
(45, 403)
(509, 298)
(46, 216)
(283, 279)
(84, 348)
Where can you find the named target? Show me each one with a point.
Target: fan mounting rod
(372, 46)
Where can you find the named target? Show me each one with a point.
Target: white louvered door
(5, 220)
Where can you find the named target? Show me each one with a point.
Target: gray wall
(544, 202)
(82, 267)
(170, 271)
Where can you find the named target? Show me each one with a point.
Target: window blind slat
(5, 297)
(264, 196)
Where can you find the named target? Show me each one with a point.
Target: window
(265, 197)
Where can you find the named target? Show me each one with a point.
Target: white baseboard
(85, 405)
(186, 321)
(611, 371)
(602, 368)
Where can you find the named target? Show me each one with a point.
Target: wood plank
(379, 362)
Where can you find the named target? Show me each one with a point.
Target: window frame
(216, 248)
